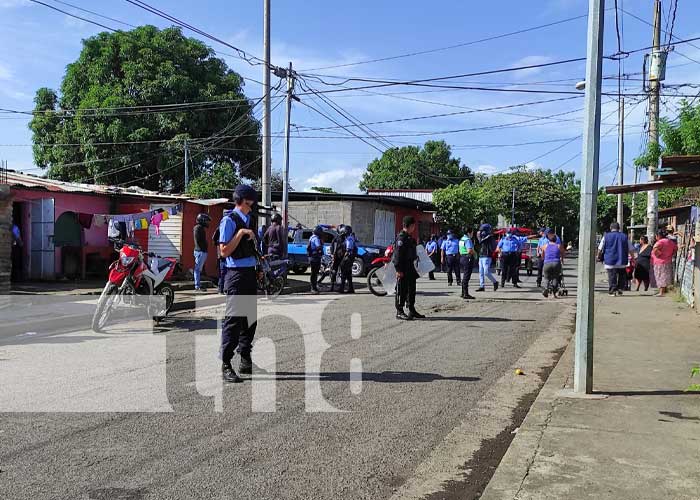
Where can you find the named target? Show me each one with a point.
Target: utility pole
(266, 121)
(512, 210)
(287, 132)
(634, 196)
(583, 363)
(654, 87)
(187, 173)
(621, 161)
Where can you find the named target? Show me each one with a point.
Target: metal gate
(384, 227)
(42, 231)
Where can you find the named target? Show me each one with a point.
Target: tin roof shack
(375, 219)
(56, 227)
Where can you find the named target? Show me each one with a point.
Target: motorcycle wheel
(275, 286)
(169, 293)
(104, 306)
(375, 284)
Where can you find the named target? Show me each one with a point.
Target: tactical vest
(463, 250)
(246, 248)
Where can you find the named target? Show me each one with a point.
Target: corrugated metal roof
(19, 180)
(425, 195)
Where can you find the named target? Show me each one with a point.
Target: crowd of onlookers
(638, 263)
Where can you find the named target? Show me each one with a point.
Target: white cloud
(5, 72)
(341, 180)
(529, 61)
(8, 4)
(487, 169)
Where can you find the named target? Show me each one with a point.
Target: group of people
(642, 262)
(343, 252)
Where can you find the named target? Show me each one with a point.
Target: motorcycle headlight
(126, 261)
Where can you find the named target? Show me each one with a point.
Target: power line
(74, 15)
(449, 47)
(242, 54)
(93, 13)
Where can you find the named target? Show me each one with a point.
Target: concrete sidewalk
(638, 436)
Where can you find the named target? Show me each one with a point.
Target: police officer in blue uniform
(350, 251)
(509, 248)
(450, 257)
(315, 251)
(434, 253)
(237, 244)
(467, 256)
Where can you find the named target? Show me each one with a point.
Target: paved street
(347, 402)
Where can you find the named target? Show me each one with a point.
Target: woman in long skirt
(662, 259)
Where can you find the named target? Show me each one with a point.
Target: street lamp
(581, 85)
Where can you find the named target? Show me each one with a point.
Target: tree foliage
(413, 167)
(542, 198)
(679, 137)
(207, 185)
(323, 189)
(144, 67)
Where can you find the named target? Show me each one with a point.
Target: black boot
(229, 374)
(400, 314)
(413, 314)
(246, 366)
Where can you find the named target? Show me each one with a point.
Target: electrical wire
(449, 47)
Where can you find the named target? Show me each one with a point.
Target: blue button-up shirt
(451, 245)
(509, 244)
(543, 241)
(227, 229)
(350, 244)
(431, 246)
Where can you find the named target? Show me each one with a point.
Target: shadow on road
(482, 319)
(387, 377)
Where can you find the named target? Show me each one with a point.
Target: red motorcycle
(135, 273)
(373, 282)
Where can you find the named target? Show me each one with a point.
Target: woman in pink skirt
(662, 260)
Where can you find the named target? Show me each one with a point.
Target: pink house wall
(64, 202)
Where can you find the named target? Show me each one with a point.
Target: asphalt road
(347, 402)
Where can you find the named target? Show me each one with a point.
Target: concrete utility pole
(266, 121)
(287, 132)
(512, 210)
(583, 364)
(654, 87)
(187, 169)
(634, 196)
(621, 162)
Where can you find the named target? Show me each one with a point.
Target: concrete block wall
(312, 213)
(5, 239)
(363, 220)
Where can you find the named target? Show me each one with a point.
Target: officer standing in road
(237, 243)
(450, 257)
(337, 254)
(350, 251)
(466, 262)
(315, 251)
(404, 260)
(434, 253)
(509, 247)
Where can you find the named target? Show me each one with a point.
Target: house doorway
(18, 242)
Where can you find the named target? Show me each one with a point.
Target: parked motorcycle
(324, 274)
(271, 275)
(374, 283)
(135, 273)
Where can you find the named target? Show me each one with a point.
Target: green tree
(412, 167)
(144, 67)
(322, 189)
(209, 184)
(542, 198)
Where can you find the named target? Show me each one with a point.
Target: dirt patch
(481, 467)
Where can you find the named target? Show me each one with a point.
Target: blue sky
(38, 43)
